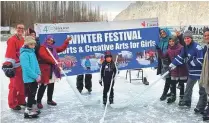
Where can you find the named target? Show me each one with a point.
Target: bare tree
(30, 12)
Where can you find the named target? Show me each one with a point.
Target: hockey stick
(123, 105)
(83, 101)
(108, 95)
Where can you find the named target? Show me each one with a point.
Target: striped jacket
(193, 56)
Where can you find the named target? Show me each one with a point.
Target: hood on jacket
(26, 49)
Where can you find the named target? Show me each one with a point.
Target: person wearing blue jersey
(192, 55)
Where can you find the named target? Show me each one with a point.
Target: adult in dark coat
(164, 63)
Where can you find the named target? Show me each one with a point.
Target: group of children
(183, 58)
(29, 65)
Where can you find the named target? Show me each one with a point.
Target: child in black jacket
(108, 71)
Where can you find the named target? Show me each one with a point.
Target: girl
(179, 74)
(50, 70)
(204, 80)
(108, 72)
(163, 64)
(31, 74)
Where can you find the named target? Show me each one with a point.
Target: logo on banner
(149, 24)
(143, 24)
(55, 28)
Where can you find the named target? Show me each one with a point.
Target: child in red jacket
(180, 73)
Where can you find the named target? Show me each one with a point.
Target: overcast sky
(112, 8)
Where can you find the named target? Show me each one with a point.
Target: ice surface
(146, 109)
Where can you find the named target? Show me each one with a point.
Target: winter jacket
(29, 63)
(14, 44)
(108, 71)
(172, 52)
(193, 55)
(46, 61)
(163, 64)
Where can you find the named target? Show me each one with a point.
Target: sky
(112, 8)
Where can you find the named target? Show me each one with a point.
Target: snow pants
(41, 90)
(173, 87)
(106, 84)
(167, 86)
(31, 88)
(188, 94)
(16, 89)
(88, 82)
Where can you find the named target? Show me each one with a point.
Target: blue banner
(85, 53)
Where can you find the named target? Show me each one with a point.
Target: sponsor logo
(149, 24)
(55, 28)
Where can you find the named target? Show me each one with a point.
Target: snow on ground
(146, 109)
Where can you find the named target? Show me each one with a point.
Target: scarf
(163, 44)
(53, 50)
(204, 79)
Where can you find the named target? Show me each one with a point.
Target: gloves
(100, 82)
(68, 39)
(8, 69)
(38, 79)
(171, 67)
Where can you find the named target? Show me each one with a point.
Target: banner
(135, 47)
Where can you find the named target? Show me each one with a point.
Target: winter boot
(29, 113)
(89, 90)
(183, 103)
(52, 103)
(111, 100)
(198, 111)
(104, 101)
(35, 108)
(206, 113)
(145, 81)
(39, 105)
(163, 97)
(80, 91)
(171, 99)
(17, 108)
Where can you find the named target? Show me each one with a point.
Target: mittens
(8, 69)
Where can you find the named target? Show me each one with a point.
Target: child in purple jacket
(180, 73)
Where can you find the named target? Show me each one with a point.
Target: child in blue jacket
(192, 53)
(31, 74)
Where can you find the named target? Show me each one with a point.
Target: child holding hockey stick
(108, 71)
(180, 73)
(31, 74)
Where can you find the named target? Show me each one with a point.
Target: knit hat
(29, 40)
(174, 38)
(31, 31)
(188, 33)
(50, 37)
(108, 54)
